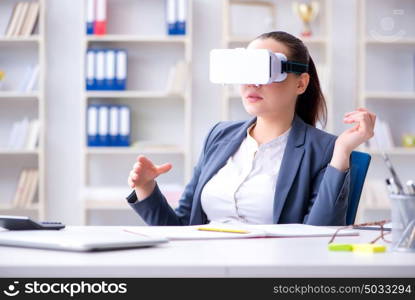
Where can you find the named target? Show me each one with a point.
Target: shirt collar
(253, 144)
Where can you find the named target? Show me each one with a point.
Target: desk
(258, 257)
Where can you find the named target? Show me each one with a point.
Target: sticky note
(368, 248)
(340, 247)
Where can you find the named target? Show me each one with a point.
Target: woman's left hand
(363, 130)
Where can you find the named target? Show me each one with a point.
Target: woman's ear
(302, 83)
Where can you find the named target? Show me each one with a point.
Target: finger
(164, 168)
(131, 183)
(357, 116)
(133, 176)
(360, 117)
(145, 161)
(359, 109)
(138, 168)
(366, 126)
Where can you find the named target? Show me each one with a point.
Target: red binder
(100, 24)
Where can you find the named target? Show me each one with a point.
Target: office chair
(359, 164)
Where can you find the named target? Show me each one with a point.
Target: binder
(121, 70)
(92, 126)
(181, 17)
(109, 83)
(103, 126)
(100, 24)
(90, 70)
(114, 127)
(125, 126)
(90, 16)
(171, 16)
(100, 70)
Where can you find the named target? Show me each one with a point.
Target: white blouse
(243, 189)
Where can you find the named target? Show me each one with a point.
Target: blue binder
(125, 126)
(181, 17)
(171, 16)
(120, 70)
(109, 73)
(103, 126)
(114, 125)
(90, 16)
(90, 70)
(100, 70)
(92, 126)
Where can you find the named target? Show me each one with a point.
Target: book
(19, 189)
(176, 81)
(21, 18)
(30, 79)
(31, 19)
(33, 135)
(29, 196)
(24, 135)
(216, 230)
(12, 20)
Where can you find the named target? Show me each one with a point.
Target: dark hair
(311, 105)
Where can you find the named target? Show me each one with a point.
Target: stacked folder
(106, 69)
(108, 125)
(96, 17)
(176, 11)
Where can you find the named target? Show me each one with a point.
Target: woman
(274, 168)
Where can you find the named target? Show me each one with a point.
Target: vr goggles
(251, 66)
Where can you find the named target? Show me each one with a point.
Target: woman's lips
(253, 97)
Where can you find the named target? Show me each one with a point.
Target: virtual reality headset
(251, 66)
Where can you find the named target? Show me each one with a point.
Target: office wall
(64, 33)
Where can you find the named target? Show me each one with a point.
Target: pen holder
(403, 222)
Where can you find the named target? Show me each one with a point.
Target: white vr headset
(251, 66)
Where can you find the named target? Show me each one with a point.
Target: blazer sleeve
(155, 209)
(329, 196)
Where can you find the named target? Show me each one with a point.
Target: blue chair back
(359, 164)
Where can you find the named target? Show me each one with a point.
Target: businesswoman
(275, 168)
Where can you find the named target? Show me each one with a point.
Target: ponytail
(311, 105)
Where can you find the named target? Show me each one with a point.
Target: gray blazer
(308, 190)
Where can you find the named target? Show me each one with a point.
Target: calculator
(25, 223)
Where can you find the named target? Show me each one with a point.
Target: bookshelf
(140, 28)
(386, 86)
(21, 52)
(280, 17)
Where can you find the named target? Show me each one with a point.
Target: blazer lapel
(226, 150)
(291, 161)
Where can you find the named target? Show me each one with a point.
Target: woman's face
(274, 98)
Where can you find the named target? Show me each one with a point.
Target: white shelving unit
(140, 28)
(281, 18)
(17, 54)
(386, 84)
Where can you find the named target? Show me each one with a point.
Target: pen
(222, 230)
(410, 187)
(395, 177)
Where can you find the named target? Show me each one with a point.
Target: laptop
(74, 238)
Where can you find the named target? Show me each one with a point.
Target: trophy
(307, 12)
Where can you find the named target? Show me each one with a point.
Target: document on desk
(216, 230)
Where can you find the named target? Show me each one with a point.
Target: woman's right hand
(142, 176)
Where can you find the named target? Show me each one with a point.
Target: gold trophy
(307, 12)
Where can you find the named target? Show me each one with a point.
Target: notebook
(193, 232)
